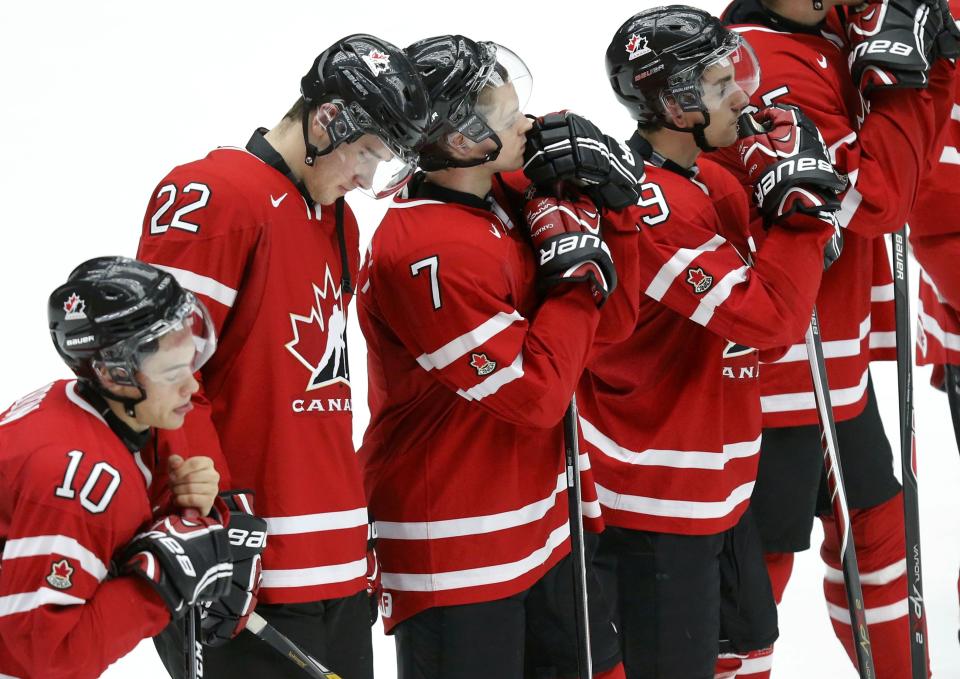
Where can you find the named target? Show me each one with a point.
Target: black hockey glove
(891, 43)
(225, 618)
(948, 42)
(186, 560)
(565, 147)
(568, 246)
(787, 162)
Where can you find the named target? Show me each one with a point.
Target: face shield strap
(97, 395)
(341, 129)
(475, 130)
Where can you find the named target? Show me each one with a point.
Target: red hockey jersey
(935, 236)
(884, 154)
(71, 496)
(469, 379)
(671, 416)
(235, 229)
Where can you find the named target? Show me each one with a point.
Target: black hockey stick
(282, 645)
(571, 448)
(838, 500)
(194, 651)
(908, 458)
(952, 385)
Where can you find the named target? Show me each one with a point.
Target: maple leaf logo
(60, 573)
(319, 338)
(700, 280)
(482, 364)
(74, 307)
(378, 61)
(637, 46)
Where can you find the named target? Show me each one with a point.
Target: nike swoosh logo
(276, 201)
(591, 215)
(822, 60)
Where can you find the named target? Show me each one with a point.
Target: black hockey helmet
(455, 70)
(110, 315)
(376, 90)
(657, 59)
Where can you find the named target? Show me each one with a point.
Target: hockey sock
(879, 537)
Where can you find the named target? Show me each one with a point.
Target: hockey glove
(374, 586)
(891, 43)
(565, 147)
(568, 246)
(186, 560)
(948, 42)
(788, 164)
(224, 619)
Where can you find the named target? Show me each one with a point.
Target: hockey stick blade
(838, 500)
(571, 447)
(282, 645)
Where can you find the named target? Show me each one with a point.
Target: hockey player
(263, 236)
(474, 351)
(79, 478)
(670, 417)
(881, 139)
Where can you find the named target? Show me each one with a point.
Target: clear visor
(375, 169)
(502, 97)
(169, 351)
(729, 76)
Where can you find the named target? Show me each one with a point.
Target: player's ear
(111, 385)
(458, 145)
(673, 113)
(321, 118)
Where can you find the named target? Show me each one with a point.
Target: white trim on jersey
(147, 475)
(318, 575)
(468, 341)
(678, 459)
(678, 509)
(881, 293)
(61, 545)
(874, 616)
(413, 203)
(203, 285)
(7, 676)
(80, 402)
(718, 295)
(758, 29)
(925, 277)
(950, 155)
(803, 400)
(844, 348)
(28, 601)
(315, 523)
(851, 201)
(473, 525)
(883, 576)
(492, 384)
(883, 340)
(677, 264)
(931, 325)
(477, 577)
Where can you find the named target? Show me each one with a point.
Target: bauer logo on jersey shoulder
(699, 279)
(637, 46)
(60, 574)
(482, 364)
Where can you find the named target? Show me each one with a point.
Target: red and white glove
(787, 162)
(374, 586)
(225, 618)
(187, 561)
(568, 245)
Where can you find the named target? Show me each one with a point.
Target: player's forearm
(82, 640)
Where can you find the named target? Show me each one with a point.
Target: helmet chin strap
(97, 396)
(699, 131)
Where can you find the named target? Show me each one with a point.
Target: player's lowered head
(683, 77)
(133, 337)
(478, 91)
(359, 121)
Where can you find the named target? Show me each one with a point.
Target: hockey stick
(838, 499)
(282, 645)
(571, 448)
(193, 650)
(952, 385)
(908, 457)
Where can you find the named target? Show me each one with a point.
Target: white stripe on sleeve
(203, 285)
(468, 341)
(28, 601)
(63, 545)
(675, 265)
(721, 291)
(315, 523)
(492, 384)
